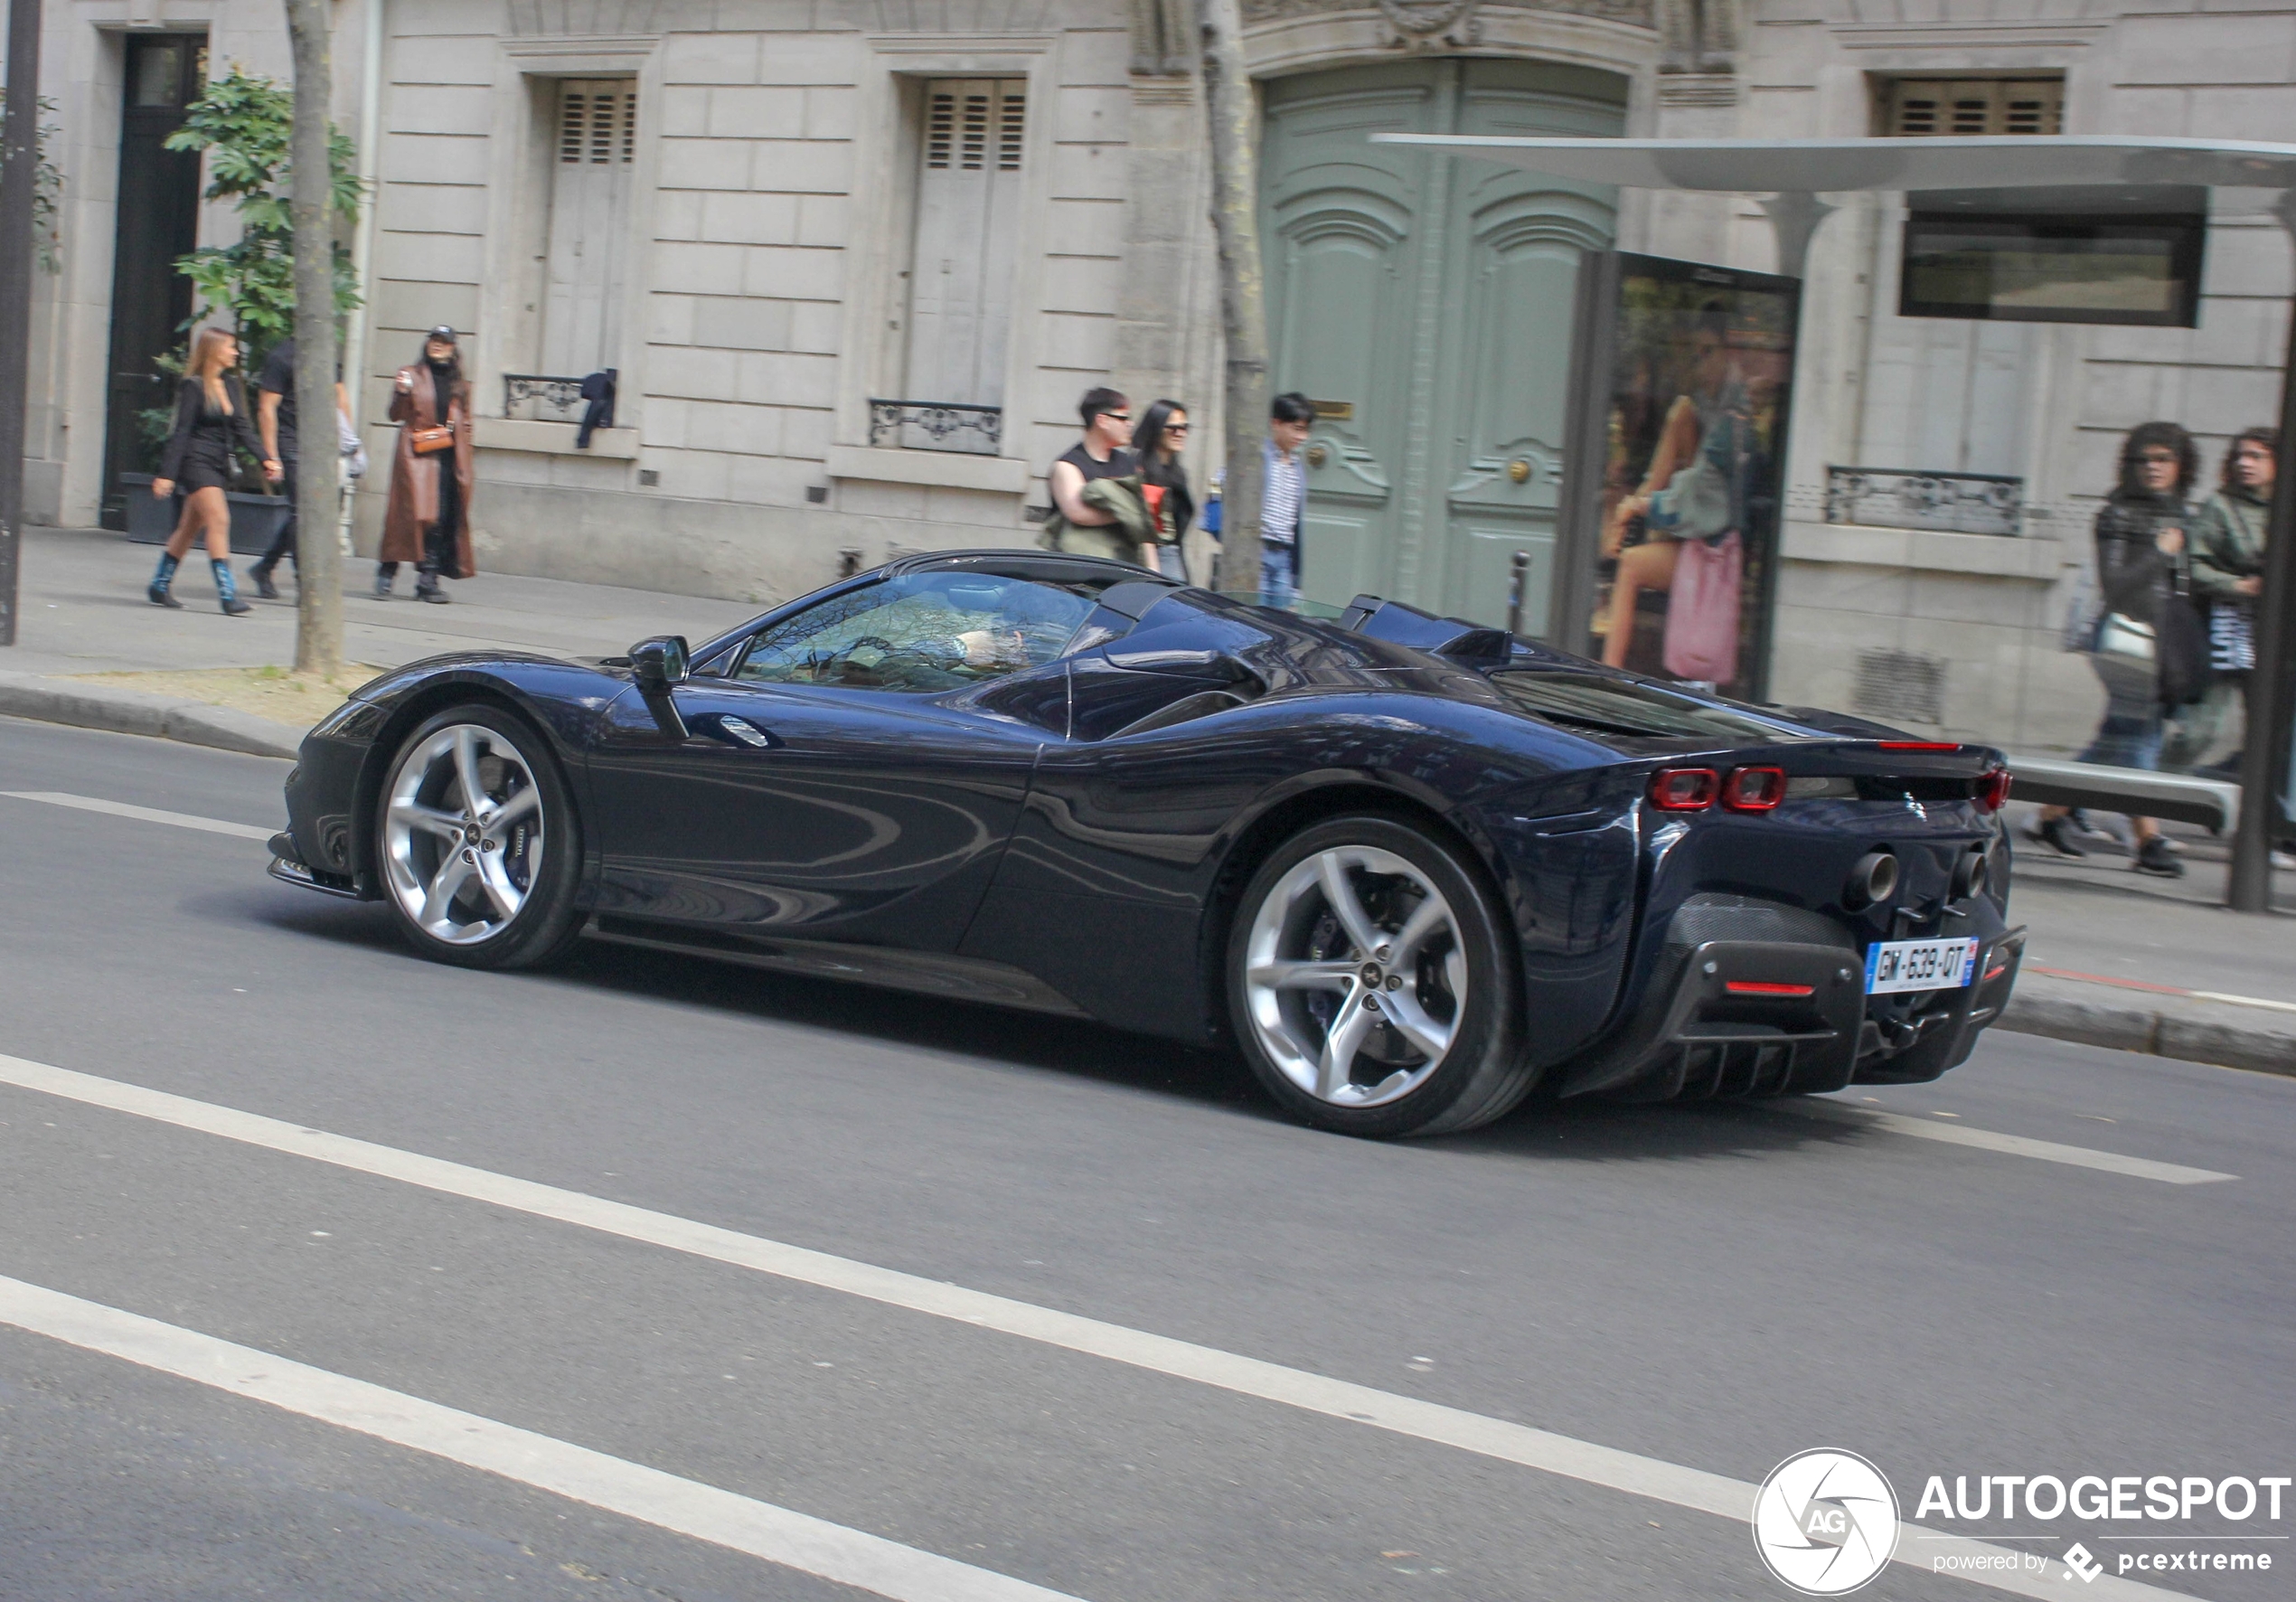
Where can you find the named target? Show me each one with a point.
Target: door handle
(747, 732)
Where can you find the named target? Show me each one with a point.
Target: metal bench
(2211, 803)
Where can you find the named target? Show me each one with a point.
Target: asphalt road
(1709, 1289)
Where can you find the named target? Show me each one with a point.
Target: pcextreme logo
(1825, 1522)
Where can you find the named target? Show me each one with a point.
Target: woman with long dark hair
(2140, 547)
(1157, 440)
(429, 520)
(210, 418)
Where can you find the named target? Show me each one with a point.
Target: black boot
(2156, 857)
(261, 573)
(2055, 834)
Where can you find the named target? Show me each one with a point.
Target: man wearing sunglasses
(1100, 454)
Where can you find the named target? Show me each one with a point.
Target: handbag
(2123, 637)
(425, 441)
(1702, 611)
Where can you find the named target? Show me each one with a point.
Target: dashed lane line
(667, 1501)
(1496, 1438)
(148, 814)
(2015, 1145)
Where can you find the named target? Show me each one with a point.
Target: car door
(854, 777)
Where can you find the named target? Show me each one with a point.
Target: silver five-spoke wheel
(462, 833)
(1355, 979)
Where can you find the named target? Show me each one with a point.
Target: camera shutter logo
(1825, 1522)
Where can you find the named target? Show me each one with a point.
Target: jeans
(1279, 574)
(283, 545)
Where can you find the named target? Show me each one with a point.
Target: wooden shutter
(969, 199)
(589, 224)
(1913, 108)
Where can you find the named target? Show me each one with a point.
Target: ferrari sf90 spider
(1412, 869)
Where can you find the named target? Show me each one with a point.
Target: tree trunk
(1232, 113)
(318, 557)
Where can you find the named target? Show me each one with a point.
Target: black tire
(536, 869)
(1286, 923)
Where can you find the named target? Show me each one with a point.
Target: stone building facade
(774, 220)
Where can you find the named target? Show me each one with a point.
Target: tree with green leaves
(244, 125)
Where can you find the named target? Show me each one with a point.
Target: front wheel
(1371, 984)
(477, 842)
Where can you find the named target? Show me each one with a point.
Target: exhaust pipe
(1872, 881)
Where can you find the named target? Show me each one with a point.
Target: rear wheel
(1372, 985)
(477, 842)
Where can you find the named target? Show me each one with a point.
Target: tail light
(1993, 789)
(1754, 789)
(1684, 789)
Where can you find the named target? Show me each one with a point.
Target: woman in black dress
(212, 416)
(1157, 440)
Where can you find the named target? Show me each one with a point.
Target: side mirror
(659, 664)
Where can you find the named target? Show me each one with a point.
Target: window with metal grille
(960, 280)
(1911, 107)
(586, 260)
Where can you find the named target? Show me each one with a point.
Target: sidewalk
(2116, 958)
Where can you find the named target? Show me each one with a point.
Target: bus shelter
(2001, 202)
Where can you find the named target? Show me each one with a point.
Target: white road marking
(149, 815)
(688, 1507)
(1497, 1438)
(2015, 1145)
(2247, 1001)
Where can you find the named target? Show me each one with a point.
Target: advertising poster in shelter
(1697, 364)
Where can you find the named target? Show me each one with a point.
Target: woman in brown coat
(429, 520)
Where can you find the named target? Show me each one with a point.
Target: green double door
(1426, 303)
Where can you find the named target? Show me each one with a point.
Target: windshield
(924, 632)
(1628, 706)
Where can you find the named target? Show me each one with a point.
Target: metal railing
(540, 398)
(936, 425)
(1949, 503)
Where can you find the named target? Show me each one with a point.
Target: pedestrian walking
(428, 519)
(1282, 506)
(1157, 440)
(1085, 525)
(2226, 565)
(210, 418)
(2140, 554)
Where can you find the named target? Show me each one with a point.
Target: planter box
(256, 520)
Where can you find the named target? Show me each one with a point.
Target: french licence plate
(1895, 966)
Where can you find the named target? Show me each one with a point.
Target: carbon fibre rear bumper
(1762, 1018)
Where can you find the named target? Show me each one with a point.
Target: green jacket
(2227, 542)
(1119, 540)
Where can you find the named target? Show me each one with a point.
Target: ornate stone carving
(1424, 24)
(1257, 12)
(538, 19)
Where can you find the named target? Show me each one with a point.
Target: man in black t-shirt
(1100, 454)
(275, 421)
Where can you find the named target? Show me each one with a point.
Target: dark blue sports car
(1413, 868)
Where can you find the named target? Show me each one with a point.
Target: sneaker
(2156, 856)
(263, 585)
(382, 585)
(434, 594)
(2056, 835)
